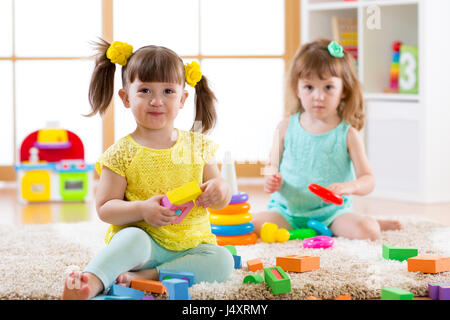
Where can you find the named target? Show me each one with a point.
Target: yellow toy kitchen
(52, 168)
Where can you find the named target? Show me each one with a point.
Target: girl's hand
(215, 193)
(273, 183)
(346, 188)
(155, 214)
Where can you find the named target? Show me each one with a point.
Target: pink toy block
(180, 210)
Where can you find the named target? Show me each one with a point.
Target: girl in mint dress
(318, 142)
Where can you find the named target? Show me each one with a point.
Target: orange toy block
(297, 263)
(344, 297)
(429, 264)
(148, 285)
(255, 264)
(313, 298)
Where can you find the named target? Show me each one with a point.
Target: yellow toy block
(188, 192)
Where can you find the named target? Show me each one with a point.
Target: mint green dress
(312, 158)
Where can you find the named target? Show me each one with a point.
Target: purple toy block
(181, 211)
(433, 289)
(444, 292)
(149, 297)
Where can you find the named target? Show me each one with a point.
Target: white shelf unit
(407, 135)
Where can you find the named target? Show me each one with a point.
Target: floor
(16, 213)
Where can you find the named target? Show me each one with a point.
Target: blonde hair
(313, 59)
(148, 64)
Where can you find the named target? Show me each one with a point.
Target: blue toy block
(174, 274)
(103, 297)
(117, 290)
(177, 288)
(237, 262)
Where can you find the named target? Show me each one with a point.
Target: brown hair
(313, 59)
(148, 64)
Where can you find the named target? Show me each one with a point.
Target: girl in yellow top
(140, 168)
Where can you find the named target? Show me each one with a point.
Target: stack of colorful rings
(232, 224)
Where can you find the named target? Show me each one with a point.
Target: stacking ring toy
(325, 194)
(232, 230)
(232, 209)
(240, 197)
(319, 227)
(320, 242)
(227, 219)
(242, 240)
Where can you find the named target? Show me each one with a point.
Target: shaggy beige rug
(35, 259)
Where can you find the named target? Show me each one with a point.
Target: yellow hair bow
(119, 52)
(192, 73)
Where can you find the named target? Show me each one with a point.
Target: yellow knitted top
(151, 172)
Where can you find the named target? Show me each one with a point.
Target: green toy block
(253, 278)
(232, 249)
(277, 280)
(395, 294)
(399, 254)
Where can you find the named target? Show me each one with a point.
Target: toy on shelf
(325, 194)
(52, 167)
(409, 70)
(232, 224)
(395, 67)
(271, 233)
(181, 199)
(429, 264)
(439, 291)
(345, 31)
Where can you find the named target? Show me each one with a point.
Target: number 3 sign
(409, 66)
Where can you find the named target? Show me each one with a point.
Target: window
(235, 48)
(46, 64)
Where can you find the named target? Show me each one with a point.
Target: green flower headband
(335, 49)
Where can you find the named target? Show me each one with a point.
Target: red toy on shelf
(325, 194)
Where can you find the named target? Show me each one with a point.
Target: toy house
(52, 167)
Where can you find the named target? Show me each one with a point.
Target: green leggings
(132, 249)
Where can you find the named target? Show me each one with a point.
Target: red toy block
(148, 285)
(255, 264)
(297, 263)
(429, 264)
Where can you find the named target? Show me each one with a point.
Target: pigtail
(101, 88)
(205, 110)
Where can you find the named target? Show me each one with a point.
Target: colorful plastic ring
(325, 194)
(240, 197)
(243, 240)
(232, 209)
(232, 230)
(320, 242)
(319, 227)
(228, 219)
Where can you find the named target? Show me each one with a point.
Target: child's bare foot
(125, 278)
(81, 286)
(386, 225)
